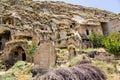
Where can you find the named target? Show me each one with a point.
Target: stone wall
(114, 26)
(85, 29)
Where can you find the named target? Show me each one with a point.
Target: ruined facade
(61, 25)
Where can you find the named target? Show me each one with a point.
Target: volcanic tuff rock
(28, 18)
(64, 25)
(34, 13)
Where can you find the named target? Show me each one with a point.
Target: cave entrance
(87, 31)
(0, 44)
(23, 56)
(17, 54)
(5, 36)
(8, 20)
(104, 26)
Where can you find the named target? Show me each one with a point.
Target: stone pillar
(45, 56)
(72, 52)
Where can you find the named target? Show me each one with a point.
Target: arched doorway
(104, 26)
(17, 54)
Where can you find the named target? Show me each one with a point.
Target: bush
(112, 43)
(31, 49)
(96, 39)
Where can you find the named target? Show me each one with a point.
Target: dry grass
(108, 68)
(79, 72)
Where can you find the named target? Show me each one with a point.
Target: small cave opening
(17, 54)
(29, 38)
(5, 36)
(71, 26)
(8, 20)
(23, 56)
(87, 31)
(104, 26)
(0, 45)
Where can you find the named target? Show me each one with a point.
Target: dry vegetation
(84, 71)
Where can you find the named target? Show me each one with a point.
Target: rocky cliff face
(47, 20)
(33, 13)
(56, 22)
(56, 28)
(27, 17)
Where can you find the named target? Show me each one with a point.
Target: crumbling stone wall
(87, 30)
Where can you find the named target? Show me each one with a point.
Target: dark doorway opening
(4, 37)
(23, 56)
(0, 45)
(87, 31)
(16, 54)
(8, 20)
(71, 26)
(104, 26)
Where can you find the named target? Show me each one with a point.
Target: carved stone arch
(16, 51)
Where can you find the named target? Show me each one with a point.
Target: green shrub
(112, 43)
(31, 49)
(96, 39)
(7, 78)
